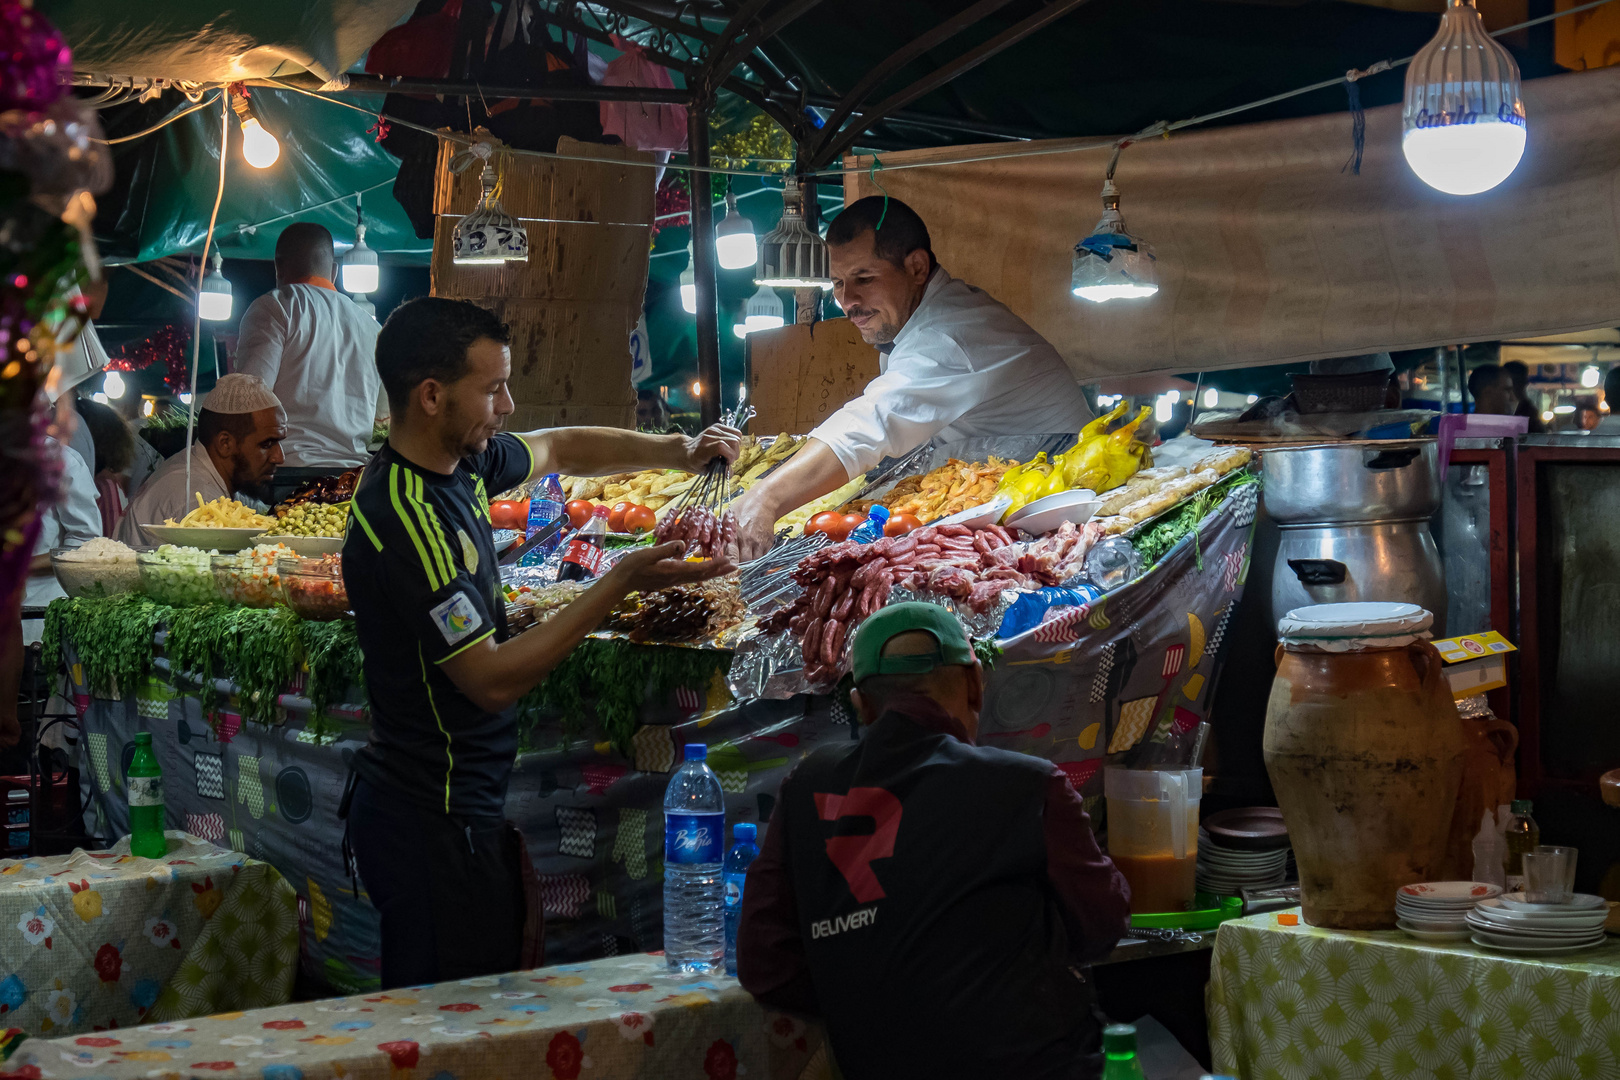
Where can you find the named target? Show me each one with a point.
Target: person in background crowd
(1492, 391)
(944, 938)
(317, 351)
(1519, 372)
(115, 454)
(240, 427)
(1610, 424)
(652, 413)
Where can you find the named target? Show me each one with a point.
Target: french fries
(222, 513)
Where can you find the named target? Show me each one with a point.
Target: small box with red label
(1475, 663)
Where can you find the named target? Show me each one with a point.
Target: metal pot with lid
(1352, 482)
(1353, 523)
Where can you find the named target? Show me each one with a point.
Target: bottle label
(584, 554)
(693, 838)
(146, 791)
(734, 891)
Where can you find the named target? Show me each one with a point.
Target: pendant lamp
(734, 243)
(488, 236)
(792, 256)
(359, 269)
(1111, 264)
(214, 294)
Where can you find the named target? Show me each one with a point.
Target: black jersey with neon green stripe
(419, 564)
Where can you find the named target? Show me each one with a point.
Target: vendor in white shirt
(955, 362)
(317, 351)
(240, 427)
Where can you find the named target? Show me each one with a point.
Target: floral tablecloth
(619, 1017)
(1290, 1002)
(102, 939)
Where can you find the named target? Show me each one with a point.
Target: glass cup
(1549, 875)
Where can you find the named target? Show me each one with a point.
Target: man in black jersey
(426, 816)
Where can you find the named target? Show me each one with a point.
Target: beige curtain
(1269, 251)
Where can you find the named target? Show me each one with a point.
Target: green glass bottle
(1119, 1051)
(146, 801)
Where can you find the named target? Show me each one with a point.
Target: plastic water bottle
(872, 528)
(1119, 1053)
(146, 801)
(546, 506)
(694, 838)
(743, 851)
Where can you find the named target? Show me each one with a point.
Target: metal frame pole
(704, 265)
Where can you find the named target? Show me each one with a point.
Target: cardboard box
(1475, 663)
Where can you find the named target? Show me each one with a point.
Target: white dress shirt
(165, 495)
(317, 352)
(69, 522)
(962, 366)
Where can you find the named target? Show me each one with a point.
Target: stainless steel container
(1354, 483)
(1353, 520)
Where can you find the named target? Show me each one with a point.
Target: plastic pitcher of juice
(1153, 834)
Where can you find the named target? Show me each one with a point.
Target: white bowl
(1045, 514)
(204, 537)
(976, 517)
(1434, 935)
(307, 546)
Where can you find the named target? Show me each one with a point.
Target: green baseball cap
(867, 654)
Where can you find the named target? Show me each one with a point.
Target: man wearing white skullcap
(240, 426)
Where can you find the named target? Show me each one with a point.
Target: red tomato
(851, 523)
(900, 524)
(509, 513)
(579, 512)
(616, 516)
(639, 519)
(831, 524)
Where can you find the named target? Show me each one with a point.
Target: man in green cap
(932, 900)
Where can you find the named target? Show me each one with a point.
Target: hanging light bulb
(1590, 377)
(214, 295)
(1463, 122)
(792, 256)
(359, 268)
(259, 147)
(734, 243)
(1212, 398)
(489, 235)
(1111, 264)
(689, 284)
(113, 385)
(764, 312)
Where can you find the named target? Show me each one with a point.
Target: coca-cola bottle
(583, 558)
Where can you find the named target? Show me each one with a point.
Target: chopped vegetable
(178, 576)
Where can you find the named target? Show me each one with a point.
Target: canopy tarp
(203, 42)
(1269, 250)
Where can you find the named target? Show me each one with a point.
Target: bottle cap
(1119, 1039)
(143, 738)
(879, 514)
(1521, 806)
(696, 751)
(744, 830)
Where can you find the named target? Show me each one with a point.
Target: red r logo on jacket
(853, 855)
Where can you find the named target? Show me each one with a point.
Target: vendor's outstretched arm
(494, 676)
(809, 474)
(598, 451)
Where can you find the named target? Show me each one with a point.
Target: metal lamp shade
(489, 235)
(792, 256)
(1111, 264)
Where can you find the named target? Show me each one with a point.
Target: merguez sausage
(832, 642)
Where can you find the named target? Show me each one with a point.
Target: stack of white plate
(1226, 871)
(1512, 925)
(1438, 910)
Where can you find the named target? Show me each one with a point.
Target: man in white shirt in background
(956, 363)
(240, 428)
(317, 351)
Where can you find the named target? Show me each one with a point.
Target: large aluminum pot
(1394, 561)
(1351, 483)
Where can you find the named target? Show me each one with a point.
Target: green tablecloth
(620, 1017)
(97, 940)
(1290, 1002)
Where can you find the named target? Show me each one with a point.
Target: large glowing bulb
(214, 295)
(1212, 398)
(1463, 120)
(1590, 377)
(113, 385)
(259, 147)
(689, 285)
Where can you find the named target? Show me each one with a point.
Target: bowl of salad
(99, 567)
(178, 576)
(249, 577)
(313, 587)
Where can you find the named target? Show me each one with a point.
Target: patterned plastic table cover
(620, 1017)
(102, 939)
(1298, 1001)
